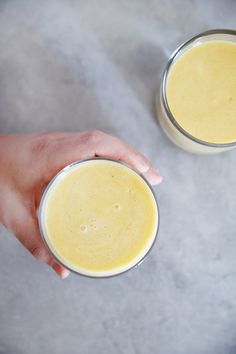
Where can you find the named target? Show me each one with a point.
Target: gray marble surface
(76, 65)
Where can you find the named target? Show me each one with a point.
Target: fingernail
(144, 168)
(153, 176)
(65, 273)
(61, 271)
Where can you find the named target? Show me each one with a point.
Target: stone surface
(75, 65)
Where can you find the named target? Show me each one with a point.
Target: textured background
(75, 65)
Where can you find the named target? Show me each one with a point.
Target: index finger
(79, 146)
(122, 151)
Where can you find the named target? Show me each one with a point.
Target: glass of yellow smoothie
(196, 106)
(99, 217)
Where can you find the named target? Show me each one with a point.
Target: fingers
(90, 144)
(61, 271)
(25, 227)
(41, 253)
(153, 176)
(124, 152)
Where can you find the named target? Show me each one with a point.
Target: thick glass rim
(170, 62)
(40, 217)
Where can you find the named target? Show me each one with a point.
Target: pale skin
(29, 161)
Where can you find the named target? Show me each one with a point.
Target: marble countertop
(76, 65)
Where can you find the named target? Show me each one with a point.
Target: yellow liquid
(201, 91)
(100, 218)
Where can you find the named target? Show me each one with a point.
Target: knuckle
(97, 135)
(40, 144)
(94, 136)
(35, 251)
(39, 253)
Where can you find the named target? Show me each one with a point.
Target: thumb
(42, 254)
(26, 229)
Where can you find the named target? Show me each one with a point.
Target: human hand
(29, 161)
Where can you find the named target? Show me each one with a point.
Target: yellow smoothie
(99, 217)
(201, 91)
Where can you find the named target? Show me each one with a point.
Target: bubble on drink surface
(117, 206)
(83, 228)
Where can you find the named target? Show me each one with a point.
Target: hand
(29, 161)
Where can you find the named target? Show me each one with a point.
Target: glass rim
(164, 100)
(40, 218)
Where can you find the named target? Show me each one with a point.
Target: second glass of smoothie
(197, 103)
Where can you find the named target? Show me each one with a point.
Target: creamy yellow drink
(201, 92)
(99, 217)
(197, 104)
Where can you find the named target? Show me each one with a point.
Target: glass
(42, 228)
(167, 121)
